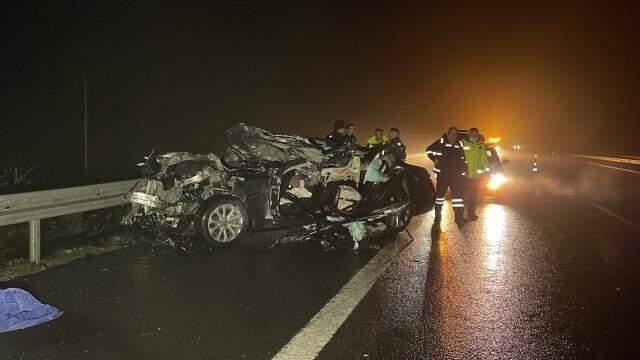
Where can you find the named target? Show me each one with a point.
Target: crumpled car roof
(252, 145)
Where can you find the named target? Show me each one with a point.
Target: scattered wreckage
(267, 181)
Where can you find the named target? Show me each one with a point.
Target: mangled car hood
(251, 146)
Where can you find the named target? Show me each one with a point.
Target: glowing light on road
(496, 181)
(494, 229)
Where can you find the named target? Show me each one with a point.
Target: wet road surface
(542, 274)
(241, 303)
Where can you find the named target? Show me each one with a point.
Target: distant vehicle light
(496, 181)
(493, 140)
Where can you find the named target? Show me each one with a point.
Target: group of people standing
(345, 134)
(460, 163)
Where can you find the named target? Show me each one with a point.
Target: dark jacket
(450, 157)
(335, 139)
(397, 148)
(351, 139)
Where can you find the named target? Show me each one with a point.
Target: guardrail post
(34, 241)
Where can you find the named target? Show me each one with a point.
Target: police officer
(447, 154)
(338, 136)
(395, 145)
(378, 139)
(478, 166)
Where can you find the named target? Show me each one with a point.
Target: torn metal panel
(351, 172)
(183, 181)
(251, 146)
(348, 197)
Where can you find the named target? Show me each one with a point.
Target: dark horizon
(559, 78)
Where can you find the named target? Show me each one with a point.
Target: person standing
(378, 139)
(447, 154)
(338, 136)
(475, 154)
(350, 133)
(395, 145)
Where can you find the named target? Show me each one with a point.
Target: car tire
(223, 221)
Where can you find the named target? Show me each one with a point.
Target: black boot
(471, 212)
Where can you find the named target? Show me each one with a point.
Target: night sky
(174, 76)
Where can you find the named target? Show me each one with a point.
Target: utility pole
(86, 126)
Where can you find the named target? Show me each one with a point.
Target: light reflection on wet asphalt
(538, 276)
(487, 290)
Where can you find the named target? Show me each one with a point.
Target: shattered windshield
(252, 145)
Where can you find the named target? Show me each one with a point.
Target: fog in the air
(555, 78)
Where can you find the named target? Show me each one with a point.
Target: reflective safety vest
(450, 158)
(374, 141)
(475, 155)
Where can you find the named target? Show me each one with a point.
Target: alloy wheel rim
(225, 223)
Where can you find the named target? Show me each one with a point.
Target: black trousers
(457, 185)
(471, 198)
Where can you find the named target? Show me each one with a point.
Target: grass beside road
(68, 251)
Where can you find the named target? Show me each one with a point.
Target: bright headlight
(496, 181)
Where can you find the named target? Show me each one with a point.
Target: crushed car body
(267, 181)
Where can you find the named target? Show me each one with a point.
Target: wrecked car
(268, 181)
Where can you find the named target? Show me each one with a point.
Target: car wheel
(223, 222)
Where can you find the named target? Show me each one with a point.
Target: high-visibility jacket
(475, 154)
(450, 158)
(372, 141)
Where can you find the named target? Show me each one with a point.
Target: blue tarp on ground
(19, 310)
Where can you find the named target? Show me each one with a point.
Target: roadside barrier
(34, 206)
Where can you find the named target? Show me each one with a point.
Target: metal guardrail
(37, 205)
(610, 159)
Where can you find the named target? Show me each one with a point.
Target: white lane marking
(614, 215)
(313, 337)
(613, 167)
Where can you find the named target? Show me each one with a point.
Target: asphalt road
(549, 270)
